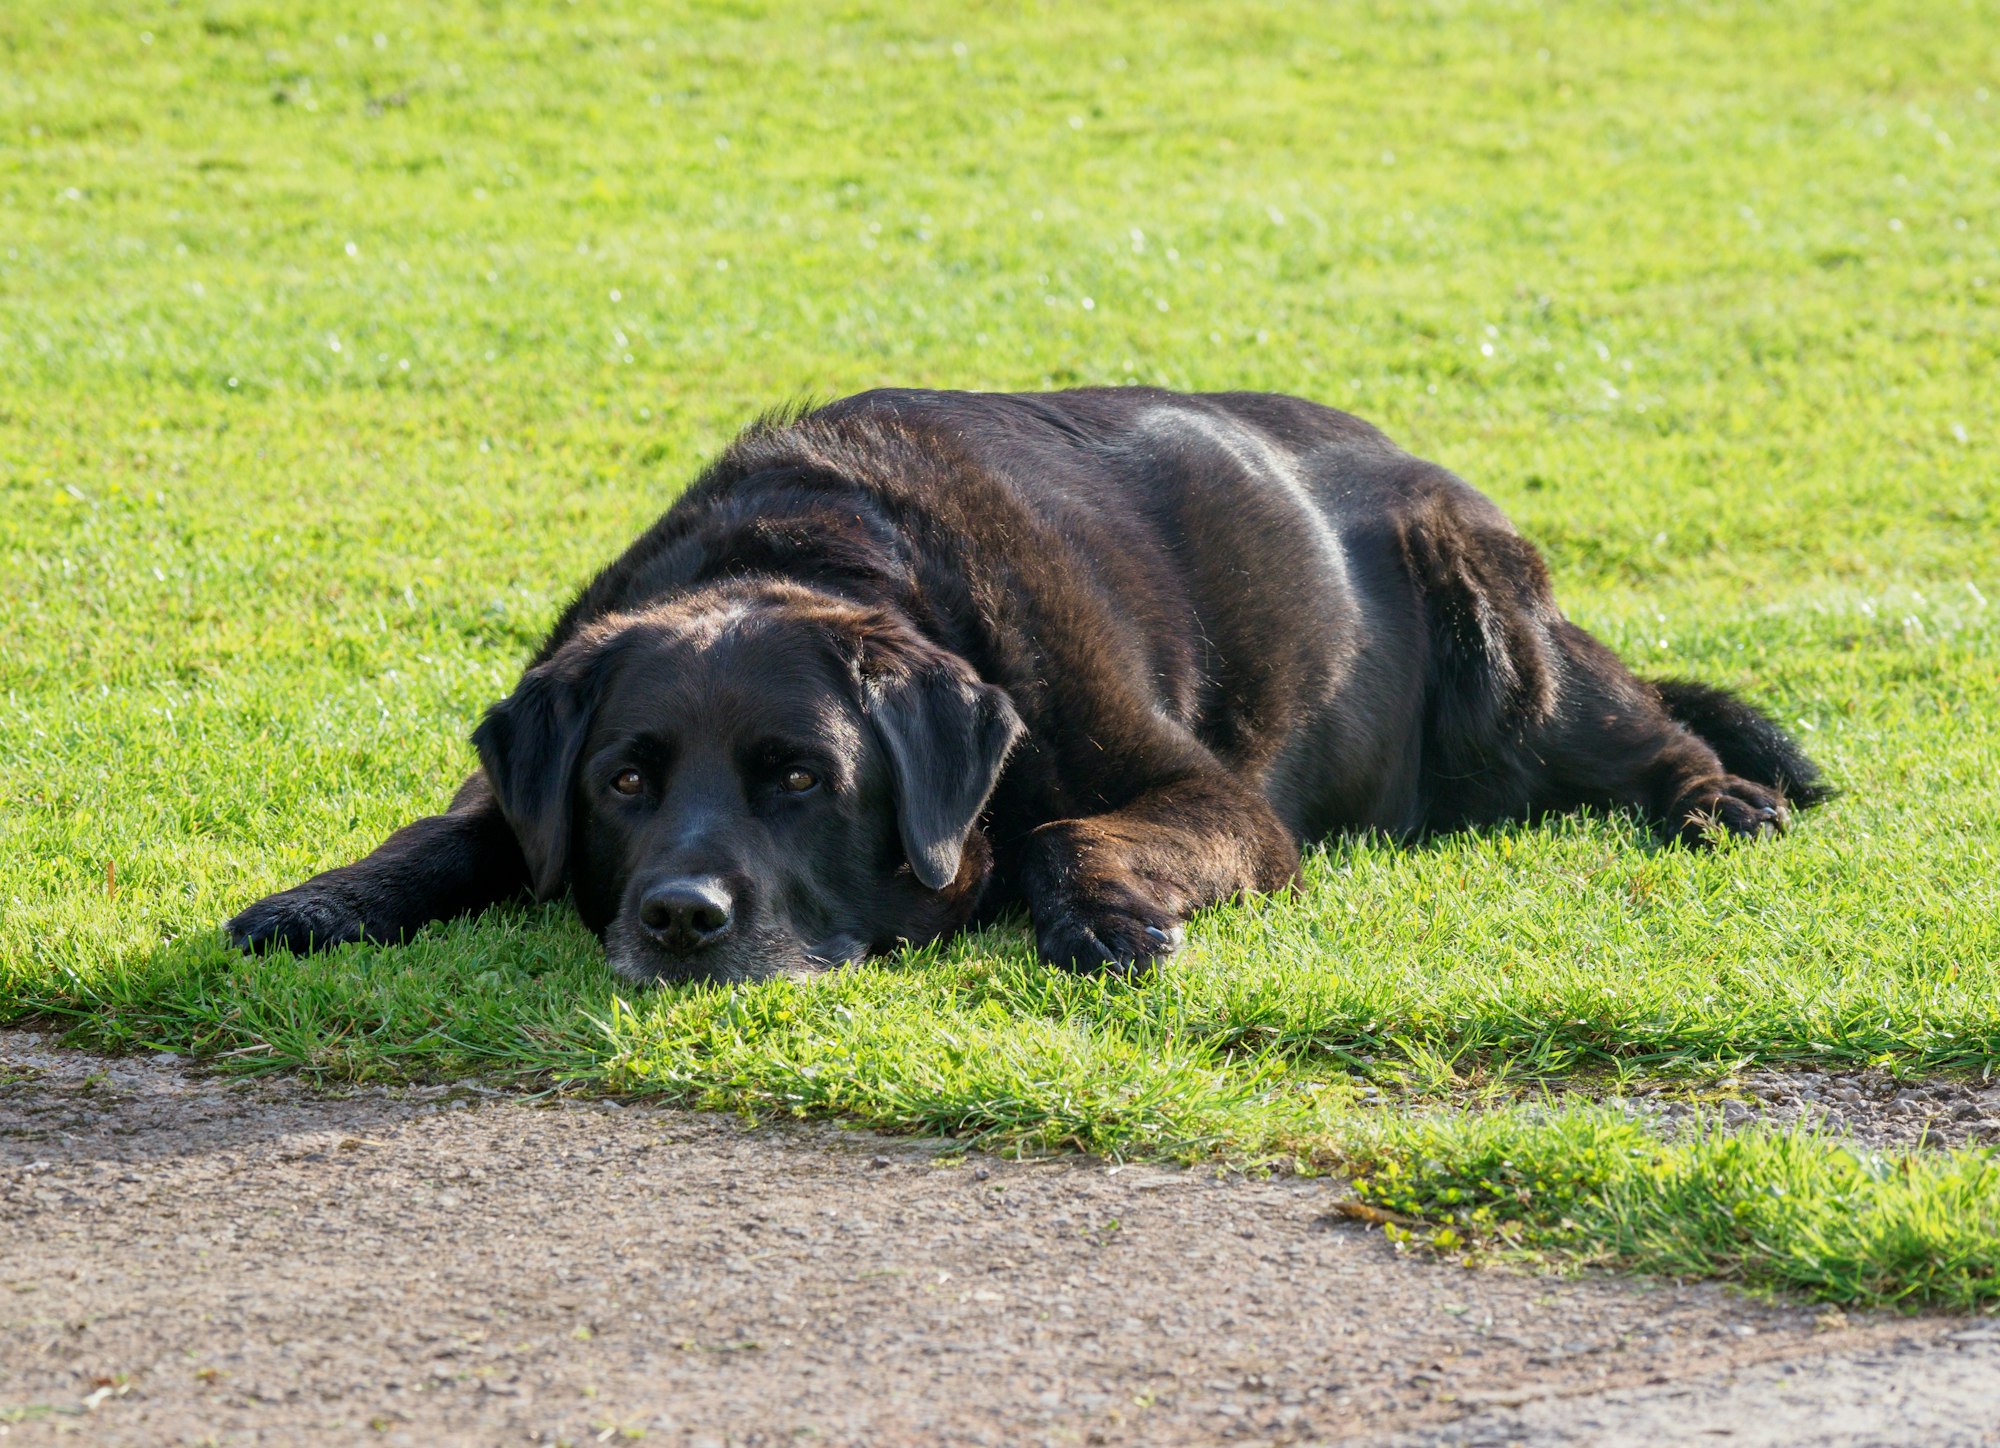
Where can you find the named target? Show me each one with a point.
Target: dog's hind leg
(455, 863)
(1111, 891)
(1615, 741)
(1530, 715)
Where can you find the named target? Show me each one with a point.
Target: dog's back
(1234, 566)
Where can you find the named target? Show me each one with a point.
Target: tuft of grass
(340, 341)
(1770, 1210)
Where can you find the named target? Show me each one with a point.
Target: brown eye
(628, 781)
(799, 781)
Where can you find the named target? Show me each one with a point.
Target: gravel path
(1869, 1107)
(186, 1260)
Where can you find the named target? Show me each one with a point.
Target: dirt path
(185, 1260)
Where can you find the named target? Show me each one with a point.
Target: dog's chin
(767, 955)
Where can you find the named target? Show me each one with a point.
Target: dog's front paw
(1094, 936)
(1099, 925)
(1731, 806)
(1093, 911)
(314, 916)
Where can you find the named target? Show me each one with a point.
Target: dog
(897, 664)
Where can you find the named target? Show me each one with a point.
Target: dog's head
(754, 779)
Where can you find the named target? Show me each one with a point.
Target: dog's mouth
(758, 955)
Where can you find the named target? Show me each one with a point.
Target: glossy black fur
(1111, 654)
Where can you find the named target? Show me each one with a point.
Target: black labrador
(901, 662)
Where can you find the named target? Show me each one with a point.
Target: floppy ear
(529, 744)
(947, 736)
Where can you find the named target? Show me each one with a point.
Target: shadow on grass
(512, 992)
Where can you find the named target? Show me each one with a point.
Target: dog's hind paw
(1730, 807)
(304, 918)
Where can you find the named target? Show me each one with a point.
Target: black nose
(688, 914)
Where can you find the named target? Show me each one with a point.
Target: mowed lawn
(338, 343)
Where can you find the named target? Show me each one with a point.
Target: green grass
(1764, 1209)
(337, 344)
